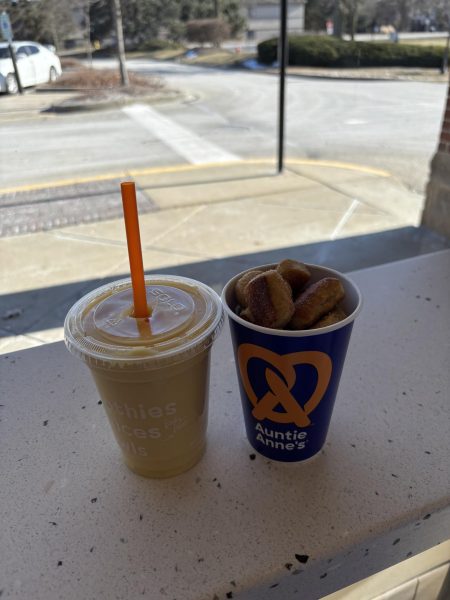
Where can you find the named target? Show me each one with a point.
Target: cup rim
(91, 354)
(294, 332)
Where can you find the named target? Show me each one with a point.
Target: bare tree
(351, 10)
(207, 31)
(87, 28)
(443, 10)
(117, 11)
(83, 8)
(345, 16)
(44, 21)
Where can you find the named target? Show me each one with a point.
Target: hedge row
(325, 51)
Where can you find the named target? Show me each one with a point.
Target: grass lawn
(427, 42)
(218, 57)
(166, 54)
(204, 56)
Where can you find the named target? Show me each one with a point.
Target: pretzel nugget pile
(282, 298)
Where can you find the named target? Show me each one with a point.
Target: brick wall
(444, 141)
(436, 213)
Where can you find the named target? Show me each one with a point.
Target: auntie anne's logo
(279, 387)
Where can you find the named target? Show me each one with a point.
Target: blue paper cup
(289, 379)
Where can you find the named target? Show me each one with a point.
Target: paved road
(392, 125)
(229, 115)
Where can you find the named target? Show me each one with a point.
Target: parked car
(35, 63)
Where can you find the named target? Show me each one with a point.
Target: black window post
(12, 54)
(282, 59)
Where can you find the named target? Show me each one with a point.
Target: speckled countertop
(75, 523)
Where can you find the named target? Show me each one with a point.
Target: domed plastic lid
(186, 317)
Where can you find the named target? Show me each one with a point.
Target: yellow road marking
(187, 167)
(340, 165)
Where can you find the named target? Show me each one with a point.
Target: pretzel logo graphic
(279, 393)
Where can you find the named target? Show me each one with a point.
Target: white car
(35, 63)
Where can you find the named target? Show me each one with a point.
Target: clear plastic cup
(152, 374)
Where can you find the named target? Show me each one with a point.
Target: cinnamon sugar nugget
(241, 284)
(247, 315)
(334, 316)
(269, 300)
(316, 301)
(295, 273)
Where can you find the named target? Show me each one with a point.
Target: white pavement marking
(351, 209)
(184, 142)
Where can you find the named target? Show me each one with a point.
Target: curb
(339, 77)
(134, 173)
(78, 105)
(270, 70)
(55, 90)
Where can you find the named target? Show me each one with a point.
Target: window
(21, 51)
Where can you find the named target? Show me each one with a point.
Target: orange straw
(130, 213)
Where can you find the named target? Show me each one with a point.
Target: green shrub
(315, 51)
(325, 51)
(267, 51)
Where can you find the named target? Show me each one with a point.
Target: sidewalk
(199, 216)
(30, 104)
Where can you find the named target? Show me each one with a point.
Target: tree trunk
(404, 15)
(117, 12)
(444, 66)
(337, 19)
(87, 30)
(55, 36)
(354, 20)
